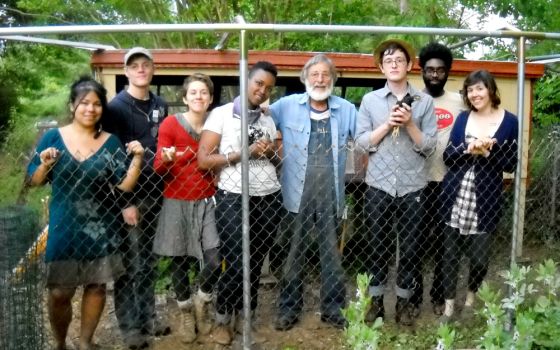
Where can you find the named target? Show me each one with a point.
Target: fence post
(245, 190)
(555, 138)
(519, 193)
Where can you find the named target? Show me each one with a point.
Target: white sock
(185, 304)
(469, 301)
(449, 307)
(206, 297)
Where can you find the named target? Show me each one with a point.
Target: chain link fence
(21, 286)
(305, 269)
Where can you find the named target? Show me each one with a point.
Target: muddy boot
(157, 327)
(256, 336)
(187, 330)
(403, 314)
(135, 340)
(221, 334)
(201, 301)
(376, 309)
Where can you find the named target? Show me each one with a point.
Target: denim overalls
(318, 209)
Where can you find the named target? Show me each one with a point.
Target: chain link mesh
(399, 245)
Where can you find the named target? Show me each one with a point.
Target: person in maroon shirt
(187, 226)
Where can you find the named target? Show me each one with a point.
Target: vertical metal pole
(553, 187)
(521, 161)
(521, 164)
(243, 80)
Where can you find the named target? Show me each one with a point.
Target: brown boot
(403, 314)
(188, 332)
(376, 309)
(221, 334)
(256, 336)
(201, 301)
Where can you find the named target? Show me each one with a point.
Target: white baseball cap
(137, 51)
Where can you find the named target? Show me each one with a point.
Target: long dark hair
(83, 86)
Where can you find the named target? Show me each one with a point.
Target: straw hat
(381, 48)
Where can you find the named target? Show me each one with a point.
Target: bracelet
(227, 159)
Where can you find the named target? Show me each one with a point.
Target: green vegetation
(42, 87)
(358, 334)
(547, 100)
(526, 319)
(533, 305)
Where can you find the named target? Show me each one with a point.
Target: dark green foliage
(547, 100)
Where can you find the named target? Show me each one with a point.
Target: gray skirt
(186, 228)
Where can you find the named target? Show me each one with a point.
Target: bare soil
(309, 333)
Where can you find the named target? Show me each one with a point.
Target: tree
(535, 15)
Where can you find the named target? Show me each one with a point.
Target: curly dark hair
(435, 50)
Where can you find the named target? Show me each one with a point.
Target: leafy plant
(547, 100)
(529, 317)
(446, 337)
(358, 334)
(163, 270)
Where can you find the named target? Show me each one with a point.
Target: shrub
(530, 316)
(359, 335)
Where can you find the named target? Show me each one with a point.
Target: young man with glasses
(397, 125)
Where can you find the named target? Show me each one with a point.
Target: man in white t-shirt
(435, 61)
(220, 151)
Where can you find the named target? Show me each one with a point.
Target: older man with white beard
(315, 128)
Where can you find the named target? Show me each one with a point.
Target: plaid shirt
(463, 213)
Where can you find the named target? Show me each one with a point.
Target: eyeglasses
(432, 70)
(399, 61)
(318, 75)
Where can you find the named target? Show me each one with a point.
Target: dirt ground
(309, 333)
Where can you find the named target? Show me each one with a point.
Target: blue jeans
(382, 211)
(134, 290)
(333, 290)
(264, 219)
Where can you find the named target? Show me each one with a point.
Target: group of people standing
(435, 171)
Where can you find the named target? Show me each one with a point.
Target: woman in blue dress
(85, 166)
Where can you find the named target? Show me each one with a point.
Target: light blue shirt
(292, 117)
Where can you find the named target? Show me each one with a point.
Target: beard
(435, 88)
(318, 95)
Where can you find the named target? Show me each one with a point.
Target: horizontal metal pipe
(302, 28)
(77, 44)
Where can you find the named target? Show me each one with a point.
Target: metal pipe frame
(243, 85)
(243, 28)
(301, 28)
